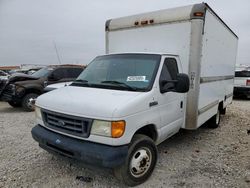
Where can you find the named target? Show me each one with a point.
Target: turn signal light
(118, 128)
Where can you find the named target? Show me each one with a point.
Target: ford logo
(61, 123)
(58, 141)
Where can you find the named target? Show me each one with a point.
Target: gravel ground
(202, 158)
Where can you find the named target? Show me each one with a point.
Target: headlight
(38, 112)
(114, 129)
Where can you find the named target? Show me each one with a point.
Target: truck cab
(115, 99)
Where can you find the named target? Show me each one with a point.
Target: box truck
(164, 71)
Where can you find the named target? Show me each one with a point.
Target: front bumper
(88, 152)
(238, 91)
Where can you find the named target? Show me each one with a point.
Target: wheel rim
(218, 117)
(30, 103)
(140, 162)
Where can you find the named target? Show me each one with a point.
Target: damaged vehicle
(20, 89)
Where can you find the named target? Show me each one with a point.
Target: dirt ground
(202, 158)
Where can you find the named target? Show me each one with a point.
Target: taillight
(248, 82)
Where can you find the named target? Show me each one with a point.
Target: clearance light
(151, 21)
(199, 14)
(144, 22)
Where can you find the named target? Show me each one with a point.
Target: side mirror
(180, 85)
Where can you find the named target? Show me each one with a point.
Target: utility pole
(58, 57)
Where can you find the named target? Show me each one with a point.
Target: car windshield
(134, 72)
(42, 72)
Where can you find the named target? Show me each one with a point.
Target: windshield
(42, 72)
(135, 72)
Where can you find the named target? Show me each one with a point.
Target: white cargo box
(206, 46)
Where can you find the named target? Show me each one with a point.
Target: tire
(140, 161)
(14, 104)
(214, 122)
(26, 102)
(223, 111)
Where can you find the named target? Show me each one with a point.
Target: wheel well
(148, 130)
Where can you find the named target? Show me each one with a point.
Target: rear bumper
(242, 91)
(88, 152)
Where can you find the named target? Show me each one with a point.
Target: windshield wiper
(80, 80)
(120, 84)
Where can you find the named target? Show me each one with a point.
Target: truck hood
(21, 77)
(86, 102)
(58, 85)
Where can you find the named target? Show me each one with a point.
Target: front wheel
(26, 102)
(140, 161)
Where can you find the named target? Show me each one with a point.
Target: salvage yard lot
(203, 158)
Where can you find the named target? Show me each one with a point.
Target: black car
(20, 88)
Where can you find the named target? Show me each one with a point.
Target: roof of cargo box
(196, 11)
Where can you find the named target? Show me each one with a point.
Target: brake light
(248, 82)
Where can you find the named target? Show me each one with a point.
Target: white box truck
(163, 71)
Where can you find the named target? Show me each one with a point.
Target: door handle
(181, 105)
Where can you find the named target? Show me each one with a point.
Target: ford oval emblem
(58, 141)
(61, 123)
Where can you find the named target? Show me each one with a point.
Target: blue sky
(29, 28)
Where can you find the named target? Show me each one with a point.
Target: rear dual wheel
(214, 122)
(140, 161)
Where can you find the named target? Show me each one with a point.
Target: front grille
(73, 125)
(7, 92)
(2, 85)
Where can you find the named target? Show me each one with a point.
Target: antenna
(58, 57)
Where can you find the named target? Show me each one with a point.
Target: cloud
(28, 28)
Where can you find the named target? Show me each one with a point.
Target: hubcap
(140, 162)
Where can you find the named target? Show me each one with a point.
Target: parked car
(242, 82)
(52, 87)
(3, 75)
(164, 71)
(20, 88)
